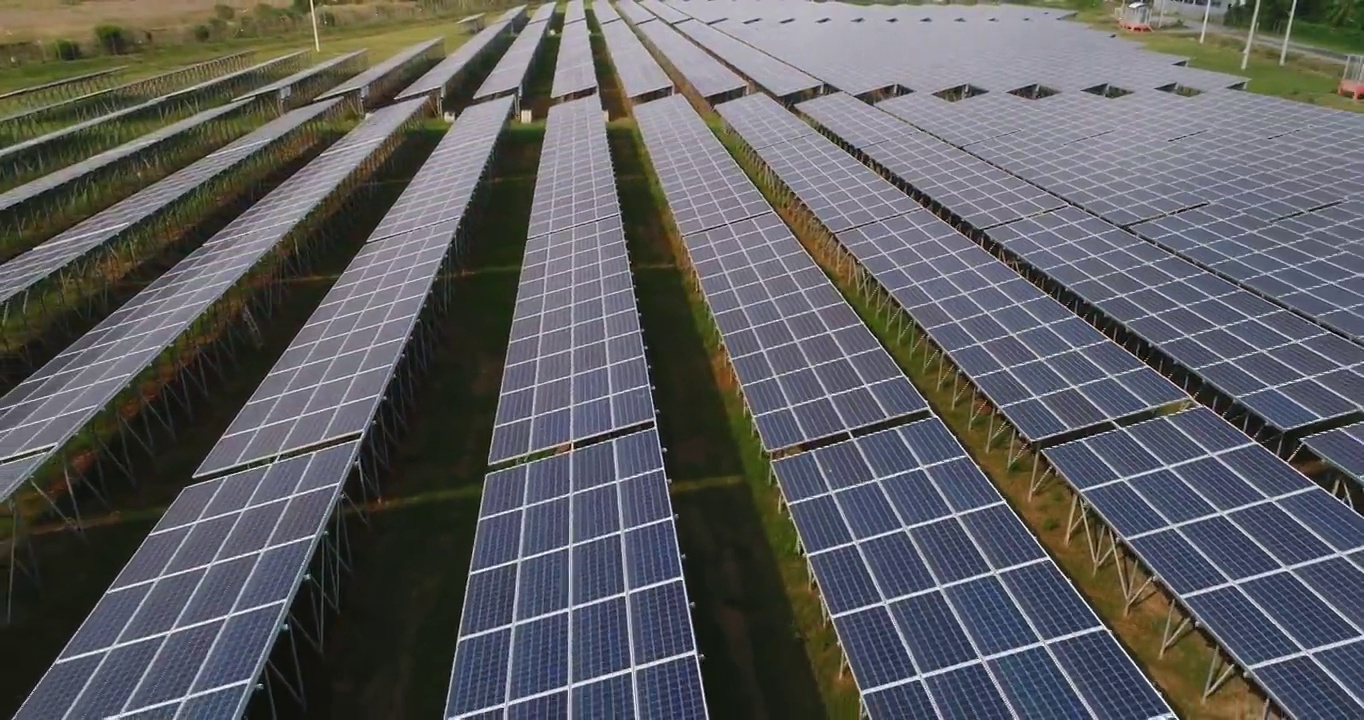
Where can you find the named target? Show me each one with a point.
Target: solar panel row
(574, 72)
(639, 74)
(771, 74)
(664, 11)
(46, 410)
(543, 13)
(21, 274)
(944, 603)
(1049, 372)
(605, 12)
(108, 99)
(575, 366)
(304, 85)
(13, 200)
(1287, 372)
(330, 382)
(808, 367)
(1261, 558)
(633, 13)
(34, 151)
(375, 84)
(442, 78)
(575, 11)
(509, 75)
(575, 604)
(704, 73)
(187, 628)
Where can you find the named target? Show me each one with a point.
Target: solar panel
(574, 72)
(639, 74)
(943, 601)
(1343, 448)
(574, 12)
(605, 12)
(1286, 371)
(46, 410)
(773, 75)
(704, 187)
(542, 13)
(633, 13)
(575, 604)
(22, 273)
(439, 79)
(331, 381)
(1257, 554)
(665, 12)
(978, 192)
(509, 75)
(705, 74)
(190, 621)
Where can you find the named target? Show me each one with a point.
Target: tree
(224, 12)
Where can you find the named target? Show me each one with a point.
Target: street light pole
(1207, 10)
(317, 41)
(1250, 36)
(1283, 51)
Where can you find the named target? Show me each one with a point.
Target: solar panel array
(372, 81)
(1262, 559)
(639, 74)
(1049, 372)
(188, 625)
(440, 79)
(1306, 262)
(773, 75)
(509, 75)
(574, 72)
(808, 367)
(46, 410)
(329, 384)
(575, 366)
(978, 192)
(513, 15)
(704, 73)
(1286, 371)
(1342, 448)
(943, 601)
(16, 197)
(21, 274)
(286, 87)
(575, 604)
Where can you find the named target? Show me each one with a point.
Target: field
(768, 651)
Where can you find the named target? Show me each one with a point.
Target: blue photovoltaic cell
(575, 592)
(1343, 448)
(190, 621)
(954, 606)
(1254, 550)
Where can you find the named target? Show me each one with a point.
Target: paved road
(1273, 42)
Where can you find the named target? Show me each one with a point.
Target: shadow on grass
(77, 570)
(755, 665)
(392, 646)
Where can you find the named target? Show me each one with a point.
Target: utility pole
(1250, 36)
(317, 41)
(1283, 51)
(1207, 10)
